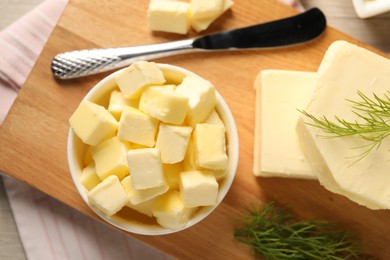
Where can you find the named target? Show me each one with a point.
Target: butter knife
(289, 31)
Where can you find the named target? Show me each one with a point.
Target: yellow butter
(89, 178)
(108, 196)
(170, 211)
(164, 104)
(145, 168)
(169, 16)
(172, 174)
(210, 146)
(141, 195)
(277, 151)
(202, 99)
(110, 158)
(172, 142)
(205, 8)
(198, 188)
(93, 123)
(118, 102)
(133, 79)
(214, 119)
(200, 24)
(137, 127)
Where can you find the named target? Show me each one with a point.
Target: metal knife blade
(289, 31)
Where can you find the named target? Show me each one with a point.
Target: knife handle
(81, 63)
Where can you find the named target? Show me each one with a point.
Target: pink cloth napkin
(49, 229)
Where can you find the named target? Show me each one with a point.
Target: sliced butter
(279, 94)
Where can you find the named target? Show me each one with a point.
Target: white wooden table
(340, 14)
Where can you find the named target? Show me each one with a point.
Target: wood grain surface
(33, 137)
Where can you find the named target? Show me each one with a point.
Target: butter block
(198, 188)
(201, 24)
(172, 142)
(118, 102)
(142, 195)
(345, 69)
(145, 168)
(137, 127)
(110, 158)
(108, 196)
(133, 79)
(202, 99)
(170, 211)
(92, 123)
(164, 104)
(89, 178)
(169, 16)
(172, 174)
(205, 8)
(279, 93)
(210, 146)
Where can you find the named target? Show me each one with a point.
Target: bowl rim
(232, 145)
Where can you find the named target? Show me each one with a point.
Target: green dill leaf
(275, 234)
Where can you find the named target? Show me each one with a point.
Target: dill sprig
(275, 234)
(372, 124)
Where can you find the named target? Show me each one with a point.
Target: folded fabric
(49, 229)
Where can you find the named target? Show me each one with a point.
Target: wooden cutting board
(33, 137)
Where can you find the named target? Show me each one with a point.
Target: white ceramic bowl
(134, 222)
(369, 8)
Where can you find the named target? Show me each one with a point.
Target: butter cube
(144, 207)
(205, 8)
(202, 99)
(145, 168)
(190, 163)
(172, 142)
(110, 158)
(139, 196)
(137, 127)
(87, 160)
(93, 123)
(214, 119)
(89, 178)
(108, 196)
(198, 188)
(118, 102)
(172, 174)
(277, 152)
(132, 80)
(165, 104)
(210, 146)
(202, 23)
(169, 16)
(170, 211)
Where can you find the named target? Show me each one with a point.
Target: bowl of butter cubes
(152, 148)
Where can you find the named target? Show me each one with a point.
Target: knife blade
(289, 31)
